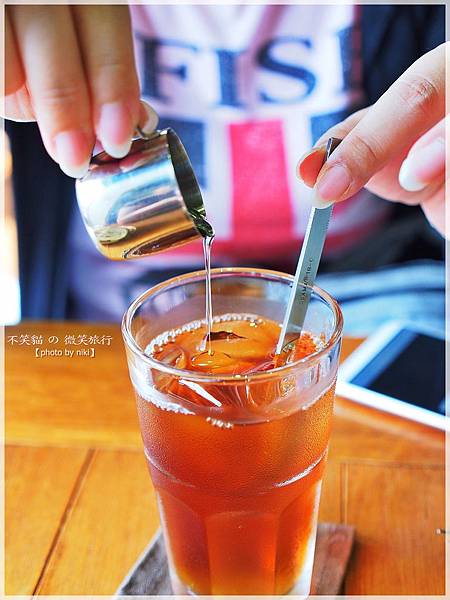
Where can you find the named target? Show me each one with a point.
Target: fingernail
(310, 161)
(71, 149)
(309, 152)
(421, 166)
(331, 186)
(149, 118)
(115, 129)
(407, 179)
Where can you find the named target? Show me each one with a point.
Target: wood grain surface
(113, 519)
(40, 483)
(408, 497)
(80, 506)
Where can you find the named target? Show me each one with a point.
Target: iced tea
(237, 462)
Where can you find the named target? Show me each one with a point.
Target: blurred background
(9, 259)
(246, 111)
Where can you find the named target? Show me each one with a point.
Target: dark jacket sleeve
(393, 37)
(44, 199)
(433, 24)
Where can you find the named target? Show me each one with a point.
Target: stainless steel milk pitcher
(144, 203)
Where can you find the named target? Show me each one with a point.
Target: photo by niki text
(69, 345)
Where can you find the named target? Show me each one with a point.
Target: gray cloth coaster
(150, 573)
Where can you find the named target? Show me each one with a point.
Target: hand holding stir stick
(306, 272)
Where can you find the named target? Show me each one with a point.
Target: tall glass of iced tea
(235, 439)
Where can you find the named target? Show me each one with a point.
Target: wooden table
(79, 503)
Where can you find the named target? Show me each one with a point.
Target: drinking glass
(236, 460)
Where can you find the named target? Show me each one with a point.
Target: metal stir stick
(306, 272)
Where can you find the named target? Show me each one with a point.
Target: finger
(438, 131)
(385, 184)
(106, 44)
(411, 106)
(428, 156)
(14, 73)
(309, 165)
(56, 83)
(340, 130)
(18, 106)
(148, 119)
(425, 161)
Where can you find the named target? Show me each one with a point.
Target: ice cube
(172, 355)
(214, 361)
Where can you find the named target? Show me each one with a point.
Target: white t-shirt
(248, 89)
